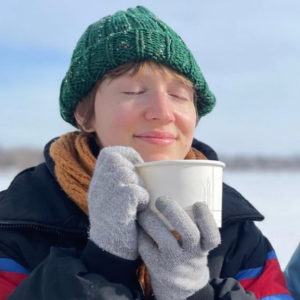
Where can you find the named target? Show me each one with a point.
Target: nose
(160, 107)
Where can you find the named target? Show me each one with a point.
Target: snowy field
(275, 195)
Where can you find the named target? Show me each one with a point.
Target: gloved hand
(177, 268)
(115, 195)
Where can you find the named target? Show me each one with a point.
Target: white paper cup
(185, 181)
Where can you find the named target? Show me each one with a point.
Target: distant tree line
(262, 163)
(21, 158)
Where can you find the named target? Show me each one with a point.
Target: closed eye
(133, 93)
(179, 97)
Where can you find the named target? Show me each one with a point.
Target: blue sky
(249, 52)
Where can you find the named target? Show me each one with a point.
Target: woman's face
(152, 112)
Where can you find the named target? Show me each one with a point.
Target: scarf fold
(74, 164)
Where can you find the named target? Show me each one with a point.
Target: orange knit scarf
(74, 165)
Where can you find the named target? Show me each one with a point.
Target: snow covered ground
(275, 195)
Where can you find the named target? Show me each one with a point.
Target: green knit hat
(132, 35)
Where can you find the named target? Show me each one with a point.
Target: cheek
(114, 126)
(188, 121)
(121, 119)
(188, 133)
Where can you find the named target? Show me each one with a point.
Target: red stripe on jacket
(270, 282)
(8, 282)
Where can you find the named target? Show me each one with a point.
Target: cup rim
(203, 162)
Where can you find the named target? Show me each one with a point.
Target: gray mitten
(177, 268)
(115, 195)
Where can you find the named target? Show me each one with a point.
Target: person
(292, 273)
(78, 226)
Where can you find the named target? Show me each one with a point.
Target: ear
(79, 117)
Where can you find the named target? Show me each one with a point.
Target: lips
(156, 137)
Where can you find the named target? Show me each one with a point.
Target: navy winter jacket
(45, 252)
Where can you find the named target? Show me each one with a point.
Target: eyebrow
(182, 83)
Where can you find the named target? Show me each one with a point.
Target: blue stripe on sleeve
(249, 273)
(278, 297)
(254, 272)
(271, 254)
(9, 265)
